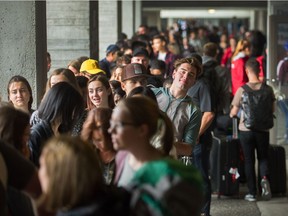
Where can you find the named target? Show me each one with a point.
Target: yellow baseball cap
(91, 66)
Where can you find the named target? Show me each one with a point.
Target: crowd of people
(118, 136)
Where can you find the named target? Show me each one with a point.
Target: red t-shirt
(238, 74)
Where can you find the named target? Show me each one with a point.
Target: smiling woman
(20, 93)
(99, 93)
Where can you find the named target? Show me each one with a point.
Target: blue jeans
(201, 153)
(251, 141)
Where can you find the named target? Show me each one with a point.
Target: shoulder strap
(263, 85)
(246, 88)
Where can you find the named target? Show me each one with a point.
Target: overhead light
(211, 11)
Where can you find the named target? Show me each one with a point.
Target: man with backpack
(255, 100)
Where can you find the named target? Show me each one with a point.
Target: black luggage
(277, 170)
(224, 166)
(225, 162)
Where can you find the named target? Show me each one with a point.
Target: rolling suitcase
(224, 165)
(277, 170)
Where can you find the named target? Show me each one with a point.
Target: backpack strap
(263, 85)
(247, 88)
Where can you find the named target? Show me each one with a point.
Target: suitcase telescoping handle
(235, 128)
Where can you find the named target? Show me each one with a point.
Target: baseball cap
(138, 44)
(140, 52)
(112, 48)
(91, 66)
(133, 70)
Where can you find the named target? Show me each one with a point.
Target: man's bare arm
(207, 119)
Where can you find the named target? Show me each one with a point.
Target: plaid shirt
(169, 61)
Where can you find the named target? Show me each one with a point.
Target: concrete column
(127, 18)
(262, 21)
(252, 19)
(108, 25)
(138, 13)
(23, 45)
(170, 22)
(153, 18)
(258, 20)
(67, 31)
(277, 13)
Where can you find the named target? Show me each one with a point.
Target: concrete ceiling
(192, 4)
(208, 14)
(200, 9)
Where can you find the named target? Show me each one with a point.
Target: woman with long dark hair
(59, 110)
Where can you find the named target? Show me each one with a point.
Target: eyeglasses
(119, 124)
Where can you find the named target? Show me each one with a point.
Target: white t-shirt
(162, 56)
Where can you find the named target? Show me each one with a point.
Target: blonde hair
(241, 46)
(74, 174)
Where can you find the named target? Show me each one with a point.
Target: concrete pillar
(108, 25)
(252, 19)
(128, 18)
(67, 31)
(258, 20)
(23, 45)
(138, 13)
(277, 13)
(170, 22)
(153, 18)
(262, 21)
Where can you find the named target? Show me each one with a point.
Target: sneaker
(266, 191)
(250, 197)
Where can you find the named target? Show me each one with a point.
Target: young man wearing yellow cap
(90, 67)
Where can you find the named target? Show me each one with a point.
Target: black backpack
(257, 107)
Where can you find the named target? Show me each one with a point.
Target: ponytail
(144, 110)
